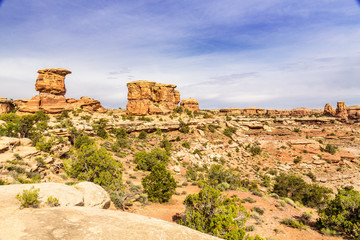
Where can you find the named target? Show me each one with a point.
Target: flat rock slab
(89, 223)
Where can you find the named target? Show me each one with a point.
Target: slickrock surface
(190, 103)
(146, 97)
(6, 105)
(77, 223)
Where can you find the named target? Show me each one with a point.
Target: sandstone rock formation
(52, 81)
(354, 111)
(329, 110)
(51, 85)
(146, 97)
(341, 110)
(6, 105)
(190, 103)
(271, 112)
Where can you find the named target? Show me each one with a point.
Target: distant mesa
(147, 97)
(190, 103)
(51, 85)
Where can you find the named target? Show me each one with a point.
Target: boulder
(147, 97)
(6, 105)
(190, 103)
(52, 81)
(94, 195)
(67, 223)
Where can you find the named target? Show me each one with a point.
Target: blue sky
(228, 53)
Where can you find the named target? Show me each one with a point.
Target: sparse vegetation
(29, 198)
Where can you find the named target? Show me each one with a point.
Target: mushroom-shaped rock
(52, 81)
(190, 103)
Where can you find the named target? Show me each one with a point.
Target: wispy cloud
(273, 53)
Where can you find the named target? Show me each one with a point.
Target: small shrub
(186, 144)
(52, 201)
(330, 149)
(259, 210)
(184, 128)
(29, 198)
(297, 159)
(249, 200)
(229, 131)
(142, 135)
(293, 223)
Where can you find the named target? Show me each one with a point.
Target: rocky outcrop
(296, 112)
(354, 111)
(146, 97)
(52, 81)
(190, 103)
(51, 85)
(341, 111)
(329, 110)
(6, 105)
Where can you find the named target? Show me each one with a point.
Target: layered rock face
(146, 97)
(51, 85)
(190, 103)
(52, 81)
(6, 105)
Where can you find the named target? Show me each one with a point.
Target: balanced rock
(329, 110)
(341, 110)
(147, 97)
(6, 105)
(190, 103)
(52, 81)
